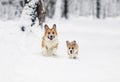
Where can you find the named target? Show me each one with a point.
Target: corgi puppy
(50, 41)
(72, 49)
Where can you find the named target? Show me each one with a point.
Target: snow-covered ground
(98, 61)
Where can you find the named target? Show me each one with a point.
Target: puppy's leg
(44, 48)
(55, 49)
(44, 51)
(75, 56)
(70, 56)
(50, 52)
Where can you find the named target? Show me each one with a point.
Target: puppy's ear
(74, 42)
(67, 42)
(46, 27)
(54, 26)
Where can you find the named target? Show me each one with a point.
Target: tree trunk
(41, 12)
(98, 8)
(65, 9)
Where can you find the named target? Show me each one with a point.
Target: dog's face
(71, 46)
(50, 33)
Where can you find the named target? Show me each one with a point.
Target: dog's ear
(74, 42)
(67, 42)
(46, 27)
(54, 26)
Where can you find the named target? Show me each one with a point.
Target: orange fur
(56, 46)
(42, 43)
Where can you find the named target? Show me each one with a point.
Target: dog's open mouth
(71, 51)
(51, 38)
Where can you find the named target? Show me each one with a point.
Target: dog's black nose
(71, 51)
(51, 36)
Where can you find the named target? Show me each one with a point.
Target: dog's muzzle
(51, 37)
(71, 51)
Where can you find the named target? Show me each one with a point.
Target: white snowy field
(98, 61)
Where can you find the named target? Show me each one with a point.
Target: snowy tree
(32, 11)
(10, 9)
(28, 15)
(95, 8)
(50, 7)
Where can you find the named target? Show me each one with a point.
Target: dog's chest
(51, 44)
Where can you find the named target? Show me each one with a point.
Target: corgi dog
(72, 49)
(50, 41)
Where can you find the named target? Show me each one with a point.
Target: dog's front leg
(55, 49)
(75, 55)
(70, 56)
(45, 51)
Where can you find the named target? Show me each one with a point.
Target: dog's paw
(74, 57)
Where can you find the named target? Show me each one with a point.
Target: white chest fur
(49, 49)
(50, 43)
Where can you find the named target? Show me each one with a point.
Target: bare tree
(65, 9)
(41, 12)
(98, 8)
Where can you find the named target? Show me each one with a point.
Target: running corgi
(72, 49)
(50, 41)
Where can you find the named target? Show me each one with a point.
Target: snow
(98, 61)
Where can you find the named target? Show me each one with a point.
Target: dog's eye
(72, 48)
(52, 32)
(48, 32)
(69, 47)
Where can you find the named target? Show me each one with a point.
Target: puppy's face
(50, 33)
(71, 46)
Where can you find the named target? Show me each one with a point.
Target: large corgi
(72, 49)
(50, 41)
